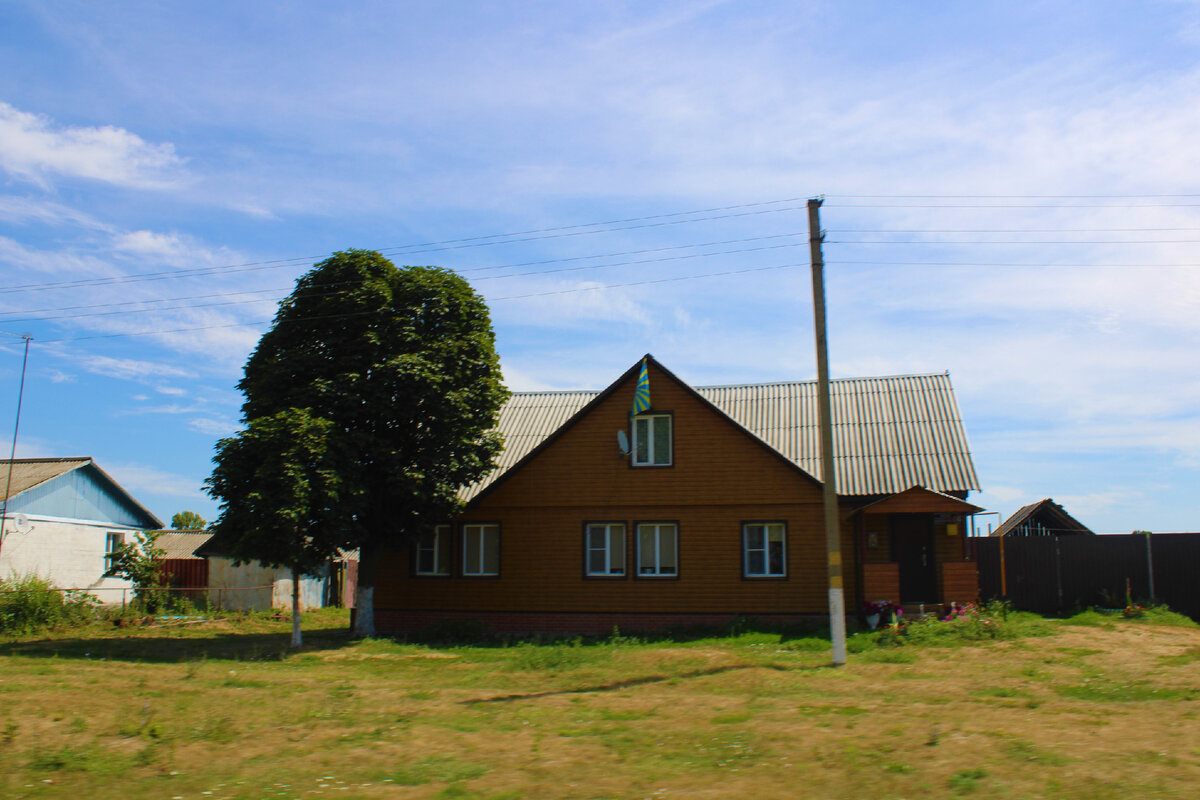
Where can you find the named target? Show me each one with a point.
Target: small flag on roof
(641, 395)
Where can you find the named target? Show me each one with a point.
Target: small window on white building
(481, 549)
(652, 440)
(111, 543)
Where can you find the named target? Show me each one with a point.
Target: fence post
(122, 597)
(1003, 574)
(1058, 570)
(1150, 564)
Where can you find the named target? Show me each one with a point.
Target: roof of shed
(890, 433)
(181, 544)
(1049, 514)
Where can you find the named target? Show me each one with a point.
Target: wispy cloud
(213, 426)
(32, 147)
(22, 210)
(131, 368)
(151, 480)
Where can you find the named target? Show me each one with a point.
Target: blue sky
(1013, 195)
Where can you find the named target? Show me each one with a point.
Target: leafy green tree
(188, 521)
(279, 496)
(402, 364)
(140, 561)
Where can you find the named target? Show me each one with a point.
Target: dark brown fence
(1055, 574)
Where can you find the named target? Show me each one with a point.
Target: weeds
(29, 604)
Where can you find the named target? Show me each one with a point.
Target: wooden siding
(720, 478)
(881, 582)
(958, 582)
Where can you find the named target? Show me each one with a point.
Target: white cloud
(171, 390)
(58, 376)
(213, 427)
(150, 480)
(21, 210)
(131, 369)
(32, 147)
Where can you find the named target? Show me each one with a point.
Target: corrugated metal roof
(1048, 515)
(181, 544)
(30, 472)
(890, 433)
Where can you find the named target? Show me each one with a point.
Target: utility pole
(16, 427)
(833, 544)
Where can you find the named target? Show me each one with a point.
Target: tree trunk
(296, 636)
(364, 591)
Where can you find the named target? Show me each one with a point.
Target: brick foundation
(390, 620)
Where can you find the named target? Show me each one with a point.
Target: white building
(63, 516)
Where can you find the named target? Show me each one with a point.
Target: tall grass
(29, 604)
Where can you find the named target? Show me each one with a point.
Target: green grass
(226, 709)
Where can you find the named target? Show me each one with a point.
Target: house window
(764, 549)
(433, 552)
(652, 440)
(604, 548)
(658, 549)
(111, 543)
(481, 549)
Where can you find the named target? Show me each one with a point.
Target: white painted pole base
(837, 626)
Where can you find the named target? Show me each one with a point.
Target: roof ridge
(831, 380)
(943, 373)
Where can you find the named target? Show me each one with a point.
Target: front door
(911, 537)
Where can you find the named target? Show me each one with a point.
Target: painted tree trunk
(296, 636)
(364, 594)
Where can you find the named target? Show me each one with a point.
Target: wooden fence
(1055, 574)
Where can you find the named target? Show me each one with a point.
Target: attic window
(652, 440)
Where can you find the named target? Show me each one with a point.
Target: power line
(663, 259)
(928, 243)
(1008, 196)
(491, 300)
(450, 244)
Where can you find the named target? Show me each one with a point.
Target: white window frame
(112, 540)
(434, 543)
(614, 533)
(776, 531)
(480, 531)
(657, 569)
(652, 458)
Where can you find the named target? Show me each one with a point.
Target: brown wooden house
(704, 507)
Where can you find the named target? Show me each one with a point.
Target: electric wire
(490, 300)
(450, 245)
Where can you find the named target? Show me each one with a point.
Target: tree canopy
(188, 521)
(401, 366)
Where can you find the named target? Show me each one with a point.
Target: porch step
(918, 610)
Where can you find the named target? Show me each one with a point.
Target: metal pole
(1150, 565)
(833, 547)
(16, 427)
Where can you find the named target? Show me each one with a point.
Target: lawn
(1087, 708)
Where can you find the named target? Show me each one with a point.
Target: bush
(29, 604)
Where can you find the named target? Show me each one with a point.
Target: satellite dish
(623, 443)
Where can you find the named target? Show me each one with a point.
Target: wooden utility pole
(833, 544)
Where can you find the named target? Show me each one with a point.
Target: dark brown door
(911, 536)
